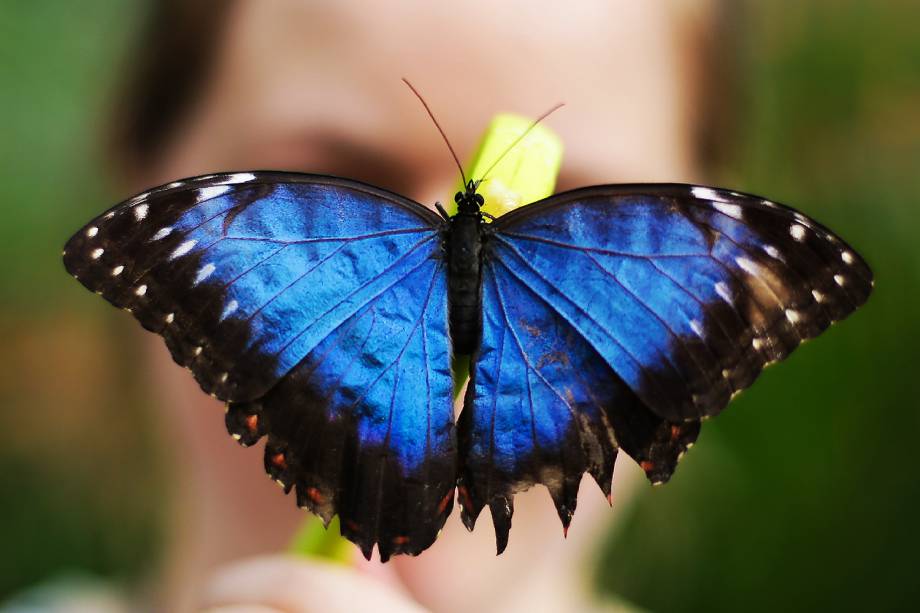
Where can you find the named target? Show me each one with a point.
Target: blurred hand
(299, 585)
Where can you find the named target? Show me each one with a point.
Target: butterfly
(326, 312)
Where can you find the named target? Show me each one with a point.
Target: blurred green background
(80, 491)
(801, 497)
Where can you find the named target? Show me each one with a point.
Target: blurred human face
(315, 86)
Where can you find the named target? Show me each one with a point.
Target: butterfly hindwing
(318, 308)
(543, 407)
(362, 426)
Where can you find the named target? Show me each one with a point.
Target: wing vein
(615, 340)
(328, 239)
(520, 346)
(677, 338)
(408, 339)
(360, 287)
(564, 245)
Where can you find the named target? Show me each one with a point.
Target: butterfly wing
(544, 407)
(317, 308)
(626, 314)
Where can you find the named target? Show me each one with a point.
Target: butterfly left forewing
(242, 273)
(318, 308)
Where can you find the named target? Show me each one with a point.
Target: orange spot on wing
(400, 540)
(279, 461)
(647, 465)
(442, 506)
(252, 423)
(675, 432)
(465, 499)
(352, 525)
(315, 495)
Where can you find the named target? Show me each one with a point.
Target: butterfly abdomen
(464, 248)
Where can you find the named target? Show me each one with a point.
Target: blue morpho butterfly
(325, 312)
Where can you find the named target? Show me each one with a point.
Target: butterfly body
(325, 313)
(463, 245)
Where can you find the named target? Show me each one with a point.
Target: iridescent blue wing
(317, 308)
(625, 314)
(544, 407)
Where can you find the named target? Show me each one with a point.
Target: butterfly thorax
(464, 257)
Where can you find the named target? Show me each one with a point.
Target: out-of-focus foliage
(78, 493)
(804, 494)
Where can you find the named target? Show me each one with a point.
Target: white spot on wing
(197, 351)
(174, 184)
(141, 290)
(97, 253)
(140, 211)
(773, 252)
(768, 203)
(109, 215)
(161, 233)
(723, 291)
(204, 272)
(847, 257)
(92, 231)
(797, 232)
(839, 280)
(240, 177)
(732, 210)
(747, 266)
(170, 318)
(212, 191)
(793, 316)
(117, 270)
(182, 249)
(232, 306)
(705, 193)
(757, 344)
(819, 297)
(697, 327)
(224, 377)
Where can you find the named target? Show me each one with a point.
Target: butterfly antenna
(438, 126)
(519, 139)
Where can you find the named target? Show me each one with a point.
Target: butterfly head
(468, 201)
